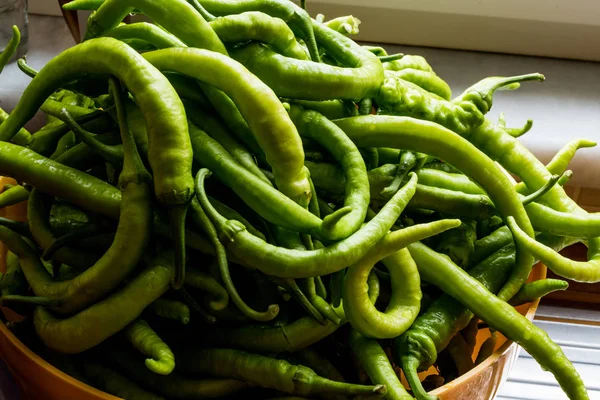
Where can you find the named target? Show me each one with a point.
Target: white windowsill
(553, 28)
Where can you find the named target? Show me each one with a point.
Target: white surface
(44, 7)
(583, 12)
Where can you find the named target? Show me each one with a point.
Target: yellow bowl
(39, 380)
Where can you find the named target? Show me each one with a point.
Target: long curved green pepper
(10, 48)
(447, 180)
(377, 365)
(315, 126)
(260, 27)
(563, 157)
(579, 271)
(297, 18)
(160, 357)
(147, 32)
(500, 316)
(405, 301)
(276, 134)
(536, 290)
(361, 77)
(433, 139)
(90, 327)
(188, 26)
(268, 372)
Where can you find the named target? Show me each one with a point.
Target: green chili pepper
(563, 157)
(499, 315)
(10, 48)
(315, 126)
(405, 300)
(144, 339)
(580, 271)
(377, 365)
(315, 360)
(145, 31)
(83, 5)
(95, 324)
(134, 225)
(261, 27)
(536, 290)
(447, 180)
(297, 18)
(361, 78)
(268, 372)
